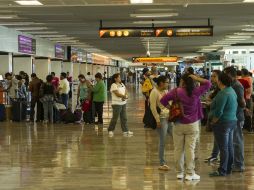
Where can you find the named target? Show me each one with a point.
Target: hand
(194, 77)
(158, 125)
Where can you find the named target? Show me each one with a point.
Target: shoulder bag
(176, 109)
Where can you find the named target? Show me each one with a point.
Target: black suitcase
(19, 110)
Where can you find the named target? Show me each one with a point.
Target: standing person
(55, 80)
(63, 89)
(12, 85)
(244, 83)
(123, 76)
(249, 104)
(215, 89)
(34, 88)
(69, 79)
(238, 141)
(99, 96)
(89, 77)
(186, 130)
(224, 121)
(47, 99)
(147, 87)
(21, 94)
(161, 113)
(84, 93)
(119, 100)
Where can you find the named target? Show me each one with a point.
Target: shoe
(211, 159)
(180, 176)
(128, 133)
(110, 133)
(164, 167)
(216, 174)
(192, 177)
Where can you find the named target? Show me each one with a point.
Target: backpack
(147, 86)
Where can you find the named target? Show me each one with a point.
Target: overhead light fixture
(155, 10)
(7, 16)
(141, 1)
(154, 15)
(31, 2)
(244, 33)
(155, 22)
(43, 32)
(51, 36)
(248, 1)
(16, 23)
(237, 37)
(31, 28)
(248, 29)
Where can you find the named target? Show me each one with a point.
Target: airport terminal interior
(126, 94)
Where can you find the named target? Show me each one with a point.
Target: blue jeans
(223, 132)
(166, 128)
(64, 99)
(216, 150)
(238, 143)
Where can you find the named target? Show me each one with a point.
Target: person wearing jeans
(64, 89)
(160, 114)
(186, 129)
(224, 121)
(119, 100)
(99, 96)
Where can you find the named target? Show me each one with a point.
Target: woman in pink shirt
(186, 130)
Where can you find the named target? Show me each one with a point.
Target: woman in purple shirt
(186, 130)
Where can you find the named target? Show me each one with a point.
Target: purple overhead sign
(26, 45)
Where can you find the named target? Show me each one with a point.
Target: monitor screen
(26, 45)
(1, 77)
(59, 51)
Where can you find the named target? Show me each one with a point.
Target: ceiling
(80, 19)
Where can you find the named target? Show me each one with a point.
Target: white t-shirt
(121, 90)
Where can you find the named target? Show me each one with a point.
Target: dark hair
(98, 75)
(81, 76)
(114, 77)
(225, 79)
(189, 84)
(250, 74)
(239, 73)
(218, 72)
(33, 75)
(7, 75)
(63, 75)
(245, 72)
(49, 78)
(231, 71)
(53, 73)
(88, 73)
(18, 77)
(160, 79)
(190, 70)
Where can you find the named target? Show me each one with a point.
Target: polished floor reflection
(78, 156)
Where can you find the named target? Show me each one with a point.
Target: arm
(204, 84)
(169, 96)
(97, 88)
(78, 92)
(221, 101)
(240, 97)
(153, 105)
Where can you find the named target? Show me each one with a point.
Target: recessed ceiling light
(31, 2)
(155, 22)
(141, 1)
(43, 32)
(153, 15)
(16, 23)
(248, 29)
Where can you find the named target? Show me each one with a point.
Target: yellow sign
(154, 59)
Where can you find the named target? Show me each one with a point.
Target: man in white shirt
(63, 89)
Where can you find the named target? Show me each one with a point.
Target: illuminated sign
(119, 33)
(26, 45)
(59, 51)
(175, 31)
(154, 59)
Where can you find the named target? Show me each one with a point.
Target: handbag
(86, 105)
(176, 109)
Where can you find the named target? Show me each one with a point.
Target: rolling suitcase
(19, 110)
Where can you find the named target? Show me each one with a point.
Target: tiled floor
(84, 157)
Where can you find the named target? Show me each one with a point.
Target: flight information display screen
(26, 45)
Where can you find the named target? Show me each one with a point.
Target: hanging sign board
(175, 31)
(154, 59)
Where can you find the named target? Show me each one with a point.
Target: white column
(5, 63)
(67, 67)
(42, 68)
(56, 66)
(83, 69)
(22, 64)
(76, 71)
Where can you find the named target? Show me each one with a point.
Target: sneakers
(164, 167)
(180, 176)
(128, 133)
(110, 133)
(211, 159)
(192, 177)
